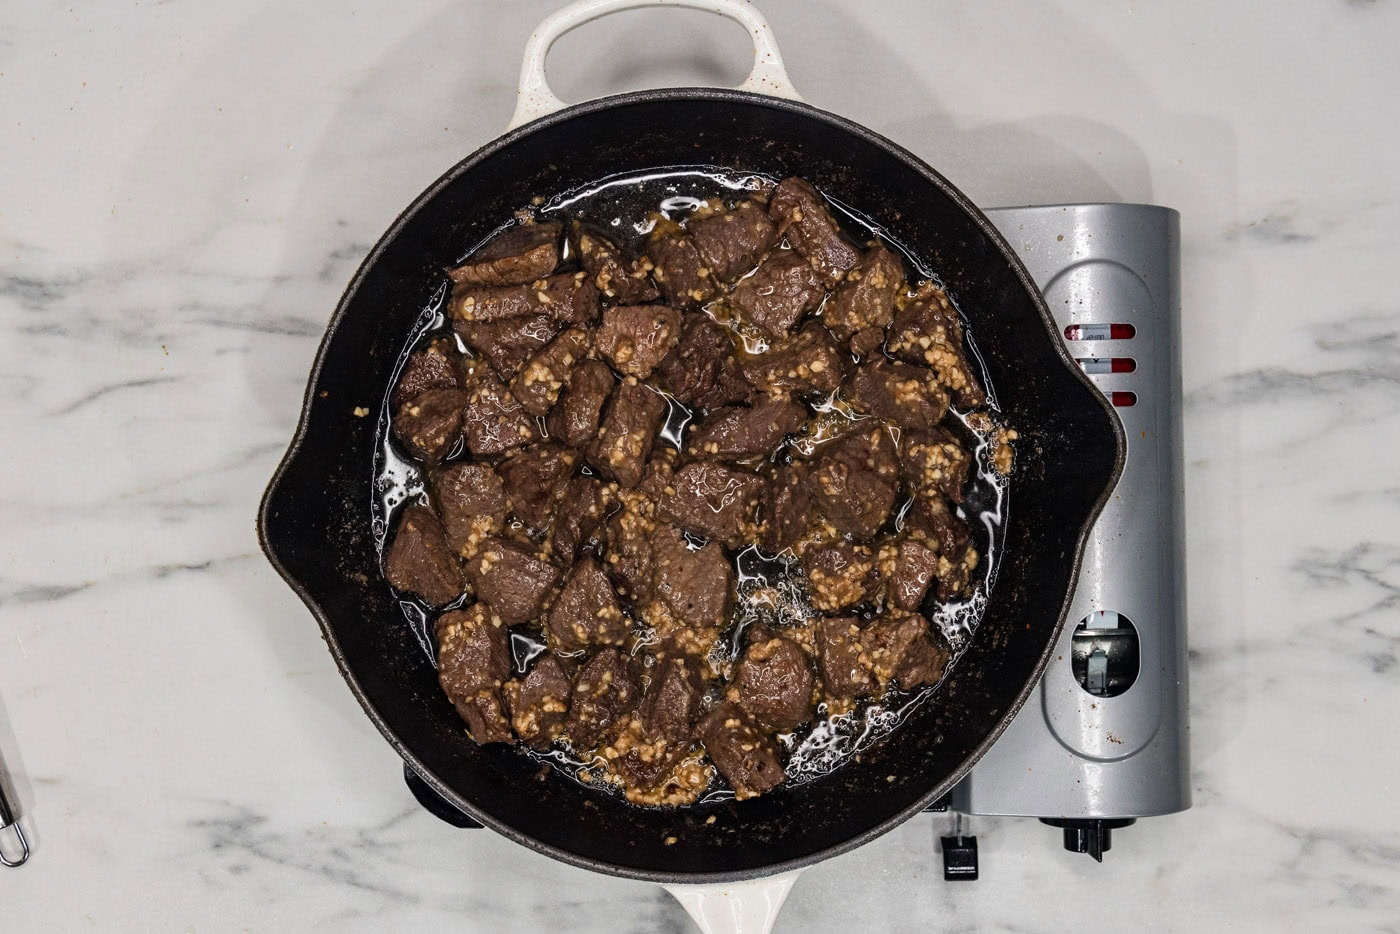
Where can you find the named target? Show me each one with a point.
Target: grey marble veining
(187, 189)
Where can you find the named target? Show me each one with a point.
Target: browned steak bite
(774, 681)
(713, 500)
(741, 432)
(779, 292)
(701, 371)
(605, 689)
(473, 659)
(516, 255)
(538, 383)
(535, 480)
(568, 297)
(419, 560)
(633, 417)
(854, 481)
(493, 420)
(935, 464)
(927, 330)
(579, 519)
(694, 583)
(732, 243)
(809, 362)
(787, 511)
(433, 367)
(909, 568)
(616, 276)
(932, 521)
(508, 343)
(574, 420)
(471, 499)
(628, 556)
(802, 216)
(665, 720)
(745, 755)
(902, 649)
(841, 643)
(430, 423)
(840, 575)
(539, 702)
(637, 337)
(907, 395)
(586, 611)
(511, 580)
(680, 273)
(866, 298)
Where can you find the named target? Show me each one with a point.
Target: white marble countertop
(187, 189)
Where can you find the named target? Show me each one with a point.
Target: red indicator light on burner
(1123, 400)
(1100, 332)
(1097, 366)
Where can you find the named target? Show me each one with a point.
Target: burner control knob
(1093, 836)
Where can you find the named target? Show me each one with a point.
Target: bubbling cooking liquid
(771, 590)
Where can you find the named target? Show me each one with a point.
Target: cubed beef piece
(907, 395)
(909, 568)
(745, 755)
(617, 276)
(802, 216)
(506, 344)
(808, 362)
(628, 555)
(471, 499)
(665, 721)
(516, 255)
(633, 417)
(539, 703)
(854, 481)
(586, 611)
(694, 583)
(420, 561)
(928, 331)
(433, 367)
(511, 580)
(579, 519)
(787, 511)
(779, 292)
(868, 342)
(866, 299)
(901, 649)
(535, 481)
(931, 519)
(567, 297)
(841, 643)
(731, 243)
(935, 464)
(473, 659)
(680, 273)
(637, 337)
(773, 682)
(713, 500)
(574, 420)
(738, 432)
(840, 575)
(701, 370)
(430, 423)
(538, 383)
(606, 689)
(492, 419)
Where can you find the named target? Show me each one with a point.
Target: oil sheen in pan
(770, 590)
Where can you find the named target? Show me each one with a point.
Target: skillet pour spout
(316, 523)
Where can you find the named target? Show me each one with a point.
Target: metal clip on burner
(9, 822)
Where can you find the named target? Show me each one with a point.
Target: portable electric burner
(1103, 742)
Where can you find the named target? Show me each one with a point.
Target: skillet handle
(736, 907)
(535, 99)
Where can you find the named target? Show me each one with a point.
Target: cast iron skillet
(315, 522)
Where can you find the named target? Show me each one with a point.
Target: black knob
(1092, 835)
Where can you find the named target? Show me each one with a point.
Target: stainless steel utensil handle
(8, 821)
(536, 99)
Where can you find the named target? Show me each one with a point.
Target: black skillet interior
(315, 522)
